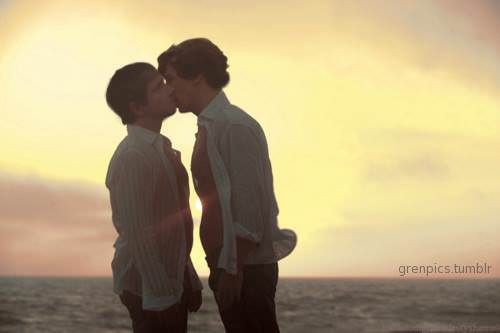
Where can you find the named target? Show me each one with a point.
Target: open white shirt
(239, 159)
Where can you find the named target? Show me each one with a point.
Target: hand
(229, 289)
(194, 301)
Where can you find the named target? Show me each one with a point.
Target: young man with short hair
(149, 194)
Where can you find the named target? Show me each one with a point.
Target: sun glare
(198, 205)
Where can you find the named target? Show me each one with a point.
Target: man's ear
(199, 79)
(136, 109)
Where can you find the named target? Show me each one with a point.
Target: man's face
(160, 100)
(184, 89)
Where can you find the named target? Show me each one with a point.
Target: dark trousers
(144, 321)
(256, 311)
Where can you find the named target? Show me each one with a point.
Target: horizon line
(376, 277)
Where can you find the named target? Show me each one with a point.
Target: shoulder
(127, 156)
(241, 138)
(239, 122)
(129, 150)
(237, 116)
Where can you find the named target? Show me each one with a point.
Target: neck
(150, 124)
(205, 98)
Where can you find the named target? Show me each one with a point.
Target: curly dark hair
(197, 56)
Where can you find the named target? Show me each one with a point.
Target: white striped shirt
(150, 250)
(241, 168)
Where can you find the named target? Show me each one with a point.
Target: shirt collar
(211, 110)
(143, 133)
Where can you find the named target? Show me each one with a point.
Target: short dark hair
(197, 56)
(128, 84)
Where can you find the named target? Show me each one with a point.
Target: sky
(382, 119)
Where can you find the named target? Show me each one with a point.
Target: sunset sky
(382, 118)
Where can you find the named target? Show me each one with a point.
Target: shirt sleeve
(133, 202)
(246, 177)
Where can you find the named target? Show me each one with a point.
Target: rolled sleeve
(133, 202)
(246, 175)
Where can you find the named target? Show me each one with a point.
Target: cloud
(57, 203)
(407, 154)
(456, 39)
(428, 156)
(419, 167)
(55, 228)
(452, 237)
(481, 17)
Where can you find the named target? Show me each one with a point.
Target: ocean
(88, 305)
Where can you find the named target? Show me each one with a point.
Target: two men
(232, 175)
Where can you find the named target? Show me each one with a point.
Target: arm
(133, 198)
(243, 162)
(245, 172)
